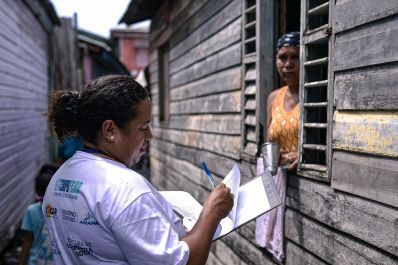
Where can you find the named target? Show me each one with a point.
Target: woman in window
(99, 211)
(283, 122)
(282, 105)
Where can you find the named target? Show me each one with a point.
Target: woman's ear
(109, 130)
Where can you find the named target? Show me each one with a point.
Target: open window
(315, 82)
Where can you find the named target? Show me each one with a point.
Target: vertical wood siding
(23, 100)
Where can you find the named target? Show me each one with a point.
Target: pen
(208, 174)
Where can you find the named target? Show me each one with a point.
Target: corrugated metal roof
(139, 10)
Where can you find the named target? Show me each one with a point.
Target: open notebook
(252, 199)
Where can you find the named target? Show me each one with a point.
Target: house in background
(97, 56)
(211, 70)
(26, 77)
(132, 47)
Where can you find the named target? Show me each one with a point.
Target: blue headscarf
(289, 39)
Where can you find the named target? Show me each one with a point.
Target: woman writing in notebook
(99, 211)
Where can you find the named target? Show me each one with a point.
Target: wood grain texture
(220, 82)
(372, 133)
(352, 13)
(216, 103)
(222, 39)
(329, 245)
(209, 19)
(365, 220)
(297, 255)
(372, 44)
(370, 177)
(372, 88)
(220, 144)
(228, 124)
(224, 59)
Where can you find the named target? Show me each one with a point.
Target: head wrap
(288, 39)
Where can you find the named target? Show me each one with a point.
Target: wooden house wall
(353, 219)
(23, 100)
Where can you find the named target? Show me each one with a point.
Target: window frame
(265, 78)
(315, 37)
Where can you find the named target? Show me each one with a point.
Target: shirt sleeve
(147, 235)
(27, 221)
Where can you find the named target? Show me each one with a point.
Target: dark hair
(111, 97)
(43, 178)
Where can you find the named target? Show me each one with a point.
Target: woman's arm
(270, 100)
(26, 245)
(199, 239)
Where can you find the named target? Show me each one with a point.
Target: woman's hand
(288, 158)
(216, 207)
(219, 203)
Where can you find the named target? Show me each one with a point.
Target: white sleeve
(147, 235)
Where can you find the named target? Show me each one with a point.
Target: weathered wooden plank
(248, 252)
(224, 81)
(181, 183)
(222, 39)
(206, 20)
(20, 82)
(220, 144)
(329, 244)
(297, 255)
(367, 89)
(165, 24)
(349, 13)
(372, 44)
(219, 103)
(225, 254)
(196, 156)
(224, 59)
(372, 133)
(370, 177)
(228, 124)
(368, 221)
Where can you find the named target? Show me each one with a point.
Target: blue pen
(208, 174)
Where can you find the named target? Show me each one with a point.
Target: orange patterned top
(283, 128)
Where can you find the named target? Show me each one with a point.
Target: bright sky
(97, 16)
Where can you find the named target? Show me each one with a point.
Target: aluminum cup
(270, 153)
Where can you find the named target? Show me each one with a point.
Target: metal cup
(270, 153)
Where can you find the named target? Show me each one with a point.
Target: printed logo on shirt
(81, 248)
(89, 220)
(70, 216)
(67, 188)
(51, 212)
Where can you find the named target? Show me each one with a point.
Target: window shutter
(257, 71)
(315, 87)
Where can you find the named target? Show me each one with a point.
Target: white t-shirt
(100, 212)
